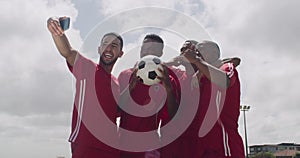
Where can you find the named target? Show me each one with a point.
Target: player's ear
(160, 54)
(121, 54)
(99, 49)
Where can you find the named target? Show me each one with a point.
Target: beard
(111, 62)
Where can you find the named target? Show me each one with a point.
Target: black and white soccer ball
(148, 69)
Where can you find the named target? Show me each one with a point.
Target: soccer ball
(148, 69)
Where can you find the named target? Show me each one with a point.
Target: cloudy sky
(37, 89)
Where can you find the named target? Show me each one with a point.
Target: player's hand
(182, 60)
(152, 154)
(54, 26)
(177, 61)
(187, 45)
(192, 56)
(165, 78)
(134, 79)
(189, 51)
(195, 82)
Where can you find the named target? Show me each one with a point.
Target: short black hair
(155, 38)
(116, 35)
(194, 42)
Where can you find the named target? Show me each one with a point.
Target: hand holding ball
(148, 69)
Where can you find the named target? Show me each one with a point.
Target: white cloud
(252, 24)
(108, 8)
(29, 59)
(35, 94)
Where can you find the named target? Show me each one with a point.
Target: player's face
(151, 47)
(110, 50)
(187, 45)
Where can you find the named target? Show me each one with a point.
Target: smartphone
(64, 23)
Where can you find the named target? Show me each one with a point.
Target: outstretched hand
(54, 27)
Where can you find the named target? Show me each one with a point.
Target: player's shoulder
(83, 66)
(125, 73)
(84, 62)
(81, 57)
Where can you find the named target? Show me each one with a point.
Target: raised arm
(172, 104)
(125, 92)
(61, 41)
(181, 60)
(213, 73)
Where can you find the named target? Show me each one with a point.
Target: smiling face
(110, 50)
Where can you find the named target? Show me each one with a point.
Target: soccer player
(219, 103)
(95, 89)
(162, 94)
(186, 144)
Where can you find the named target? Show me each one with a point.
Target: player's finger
(161, 69)
(134, 72)
(52, 28)
(163, 74)
(56, 27)
(152, 154)
(165, 69)
(136, 64)
(193, 47)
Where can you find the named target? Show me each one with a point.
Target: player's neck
(107, 68)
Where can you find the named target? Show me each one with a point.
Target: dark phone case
(64, 23)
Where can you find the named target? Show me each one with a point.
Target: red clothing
(191, 97)
(95, 89)
(186, 144)
(141, 96)
(219, 115)
(81, 151)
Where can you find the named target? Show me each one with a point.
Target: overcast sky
(36, 91)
